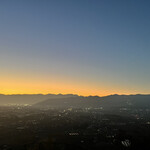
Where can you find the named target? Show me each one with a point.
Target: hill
(112, 101)
(30, 99)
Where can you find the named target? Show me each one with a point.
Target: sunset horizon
(82, 47)
(74, 74)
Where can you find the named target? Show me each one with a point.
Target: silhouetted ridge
(69, 100)
(29, 98)
(112, 101)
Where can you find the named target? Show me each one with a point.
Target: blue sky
(101, 45)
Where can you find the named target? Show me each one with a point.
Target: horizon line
(71, 94)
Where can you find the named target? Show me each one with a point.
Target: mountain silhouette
(75, 101)
(112, 101)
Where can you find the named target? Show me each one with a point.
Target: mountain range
(75, 101)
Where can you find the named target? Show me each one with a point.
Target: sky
(84, 47)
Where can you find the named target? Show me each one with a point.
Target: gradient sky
(85, 47)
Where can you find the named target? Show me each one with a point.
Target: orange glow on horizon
(42, 87)
(56, 86)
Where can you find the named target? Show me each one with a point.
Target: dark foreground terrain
(27, 128)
